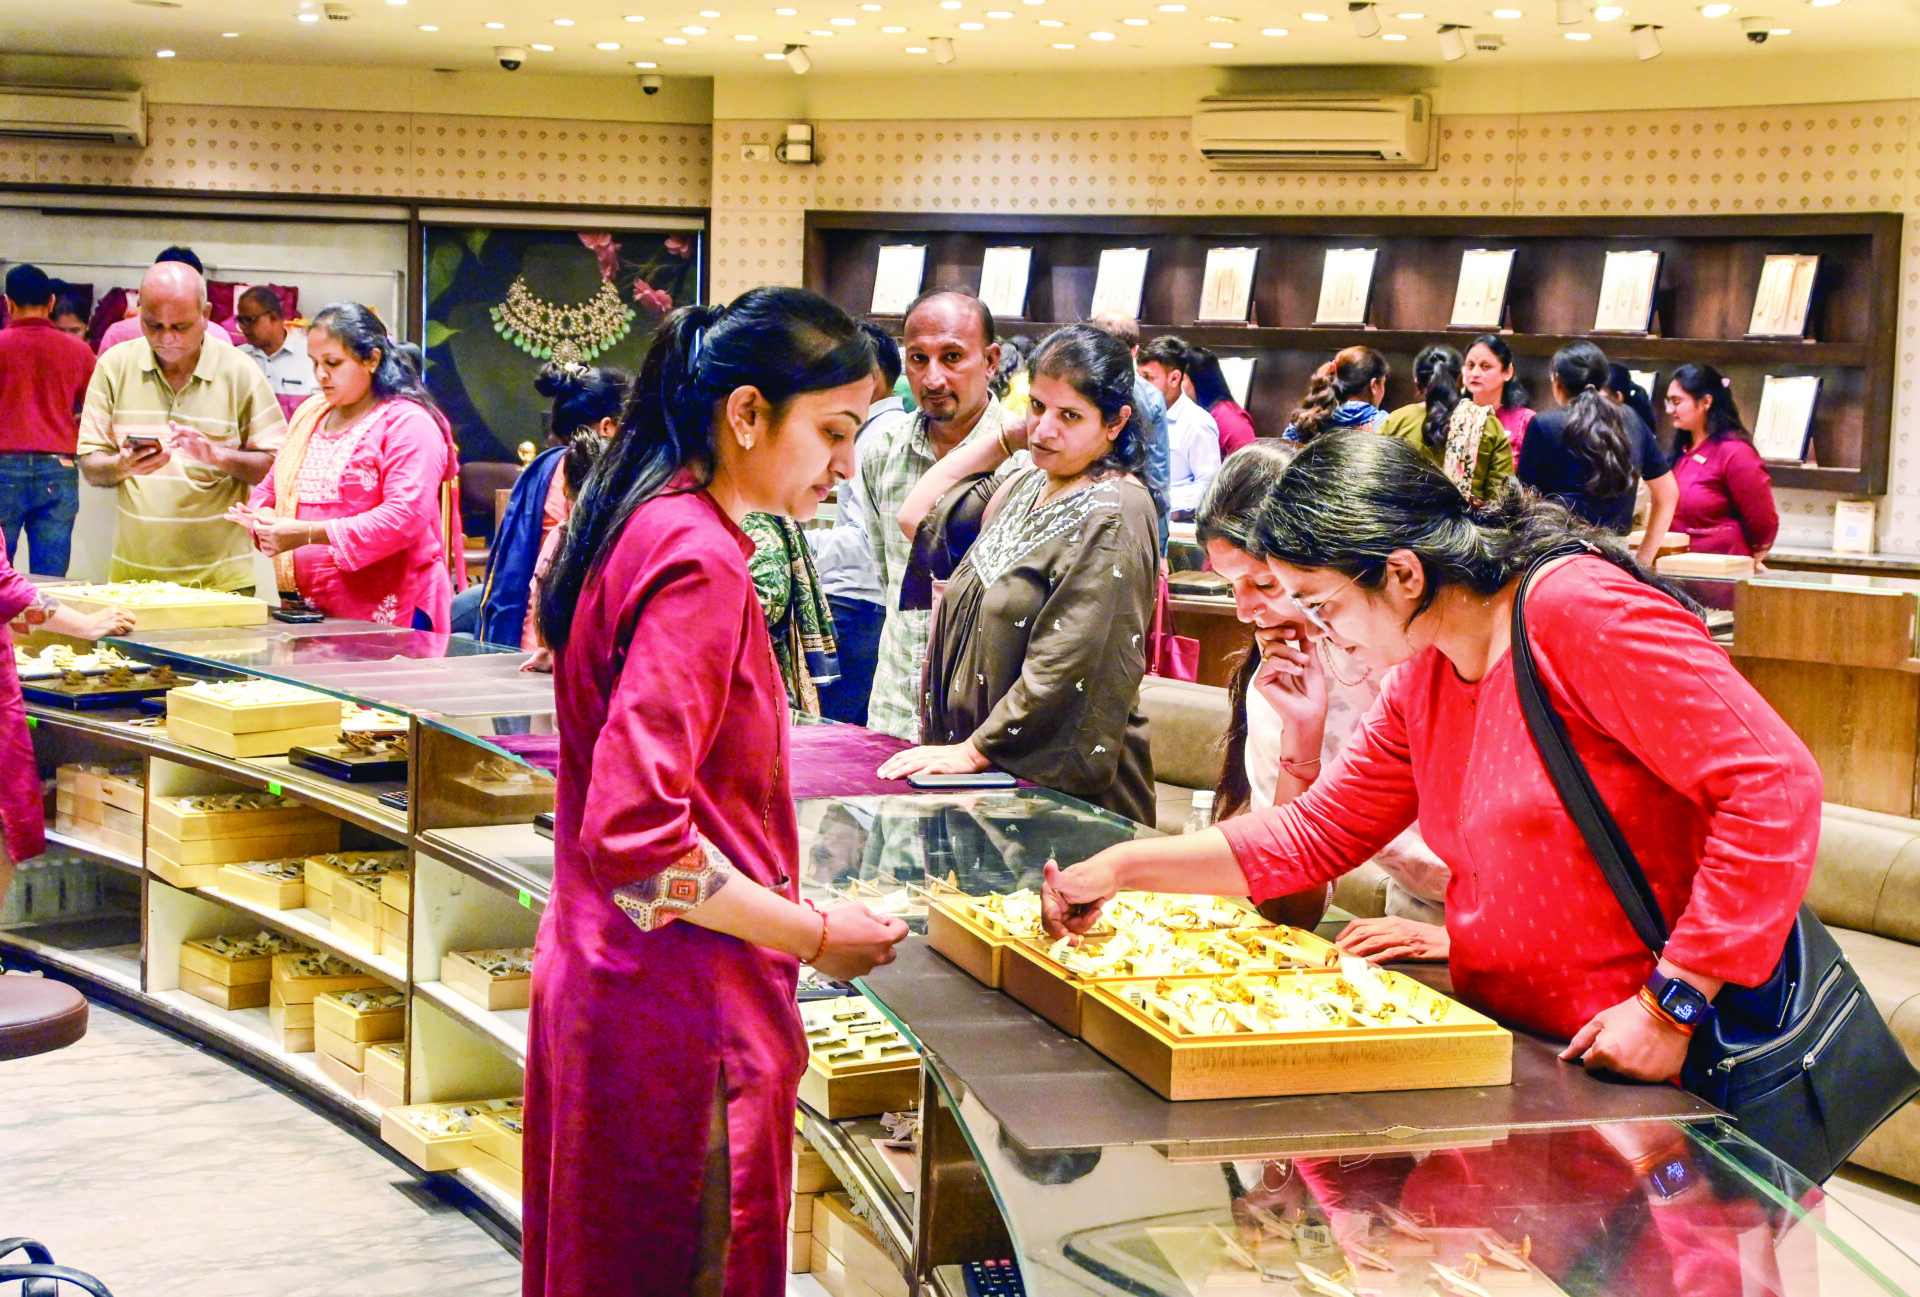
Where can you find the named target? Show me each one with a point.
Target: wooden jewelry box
(1204, 1053)
(1034, 972)
(438, 1136)
(269, 884)
(492, 979)
(162, 605)
(858, 1064)
(323, 871)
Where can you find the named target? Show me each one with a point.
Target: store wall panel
(586, 162)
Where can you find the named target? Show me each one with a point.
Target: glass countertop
(1626, 1209)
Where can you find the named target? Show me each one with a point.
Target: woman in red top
(1208, 388)
(1726, 498)
(664, 1050)
(1716, 796)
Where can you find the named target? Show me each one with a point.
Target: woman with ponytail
(1716, 797)
(351, 511)
(1346, 392)
(1461, 438)
(664, 1051)
(1726, 497)
(1592, 453)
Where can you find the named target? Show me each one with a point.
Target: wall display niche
(1004, 274)
(1703, 298)
(503, 301)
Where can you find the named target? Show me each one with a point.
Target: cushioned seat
(1185, 724)
(38, 1016)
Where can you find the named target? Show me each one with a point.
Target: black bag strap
(1569, 774)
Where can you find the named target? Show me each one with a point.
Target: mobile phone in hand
(974, 779)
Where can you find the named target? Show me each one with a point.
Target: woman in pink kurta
(1726, 498)
(664, 1046)
(351, 511)
(22, 815)
(1717, 797)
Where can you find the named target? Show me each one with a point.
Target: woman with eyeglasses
(1716, 797)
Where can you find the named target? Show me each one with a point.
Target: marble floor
(162, 1169)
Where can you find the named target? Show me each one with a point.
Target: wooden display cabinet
(1709, 278)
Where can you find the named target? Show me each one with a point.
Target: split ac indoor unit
(79, 116)
(1317, 133)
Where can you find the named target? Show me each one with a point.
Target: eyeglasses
(247, 321)
(1312, 611)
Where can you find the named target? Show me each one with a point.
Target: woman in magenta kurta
(22, 815)
(1726, 498)
(1717, 797)
(665, 1047)
(351, 511)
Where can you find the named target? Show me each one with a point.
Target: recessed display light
(1394, 36)
(496, 27)
(1410, 17)
(1607, 13)
(822, 31)
(787, 13)
(1173, 9)
(1135, 22)
(229, 35)
(673, 40)
(636, 18)
(973, 27)
(548, 49)
(1051, 22)
(1779, 31)
(428, 27)
(840, 22)
(646, 63)
(998, 13)
(872, 9)
(743, 36)
(606, 45)
(1508, 15)
(163, 54)
(773, 56)
(949, 4)
(1063, 45)
(1579, 36)
(709, 13)
(308, 18)
(916, 49)
(1314, 18)
(694, 31)
(1221, 18)
(894, 31)
(1099, 36)
(1219, 45)
(1715, 10)
(1273, 31)
(563, 22)
(1823, 4)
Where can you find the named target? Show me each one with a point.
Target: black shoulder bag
(1803, 1062)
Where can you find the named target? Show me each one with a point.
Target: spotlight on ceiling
(799, 60)
(1570, 11)
(1646, 40)
(942, 49)
(1453, 46)
(1366, 18)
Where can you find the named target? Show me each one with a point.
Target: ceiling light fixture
(1051, 22)
(1508, 15)
(563, 22)
(743, 36)
(1219, 45)
(163, 54)
(1607, 13)
(693, 31)
(1366, 18)
(1173, 9)
(916, 49)
(1273, 31)
(798, 59)
(496, 27)
(894, 31)
(1132, 22)
(229, 35)
(1823, 4)
(949, 4)
(840, 22)
(645, 64)
(308, 18)
(998, 13)
(772, 57)
(822, 31)
(1099, 36)
(1779, 31)
(1570, 11)
(428, 27)
(636, 18)
(1394, 36)
(606, 45)
(548, 49)
(1579, 36)
(664, 40)
(1314, 17)
(973, 27)
(1453, 46)
(1715, 10)
(942, 49)
(1409, 18)
(1646, 40)
(1063, 45)
(709, 13)
(787, 13)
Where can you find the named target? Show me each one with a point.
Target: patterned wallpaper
(389, 155)
(1828, 157)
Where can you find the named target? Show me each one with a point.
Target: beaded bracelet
(821, 949)
(1660, 1015)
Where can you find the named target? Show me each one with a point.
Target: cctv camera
(650, 84)
(1757, 29)
(510, 56)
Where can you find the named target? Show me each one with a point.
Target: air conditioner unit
(1317, 133)
(81, 116)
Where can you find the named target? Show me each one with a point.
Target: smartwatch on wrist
(1679, 1000)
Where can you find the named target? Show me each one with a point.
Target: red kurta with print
(673, 724)
(1719, 800)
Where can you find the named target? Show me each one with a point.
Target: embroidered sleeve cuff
(653, 903)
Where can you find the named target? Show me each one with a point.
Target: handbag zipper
(1833, 1028)
(1732, 1061)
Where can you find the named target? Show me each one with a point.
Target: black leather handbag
(1803, 1063)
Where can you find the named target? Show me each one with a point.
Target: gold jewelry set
(849, 1031)
(1361, 996)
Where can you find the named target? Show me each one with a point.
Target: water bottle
(1201, 816)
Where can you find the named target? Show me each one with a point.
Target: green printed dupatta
(799, 620)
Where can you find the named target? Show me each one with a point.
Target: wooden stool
(38, 1016)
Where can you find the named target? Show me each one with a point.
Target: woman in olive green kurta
(1040, 641)
(1464, 440)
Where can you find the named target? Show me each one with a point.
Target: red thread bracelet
(821, 949)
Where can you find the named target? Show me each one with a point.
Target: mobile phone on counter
(299, 615)
(543, 825)
(977, 779)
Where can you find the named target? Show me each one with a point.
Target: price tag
(33, 722)
(526, 900)
(274, 789)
